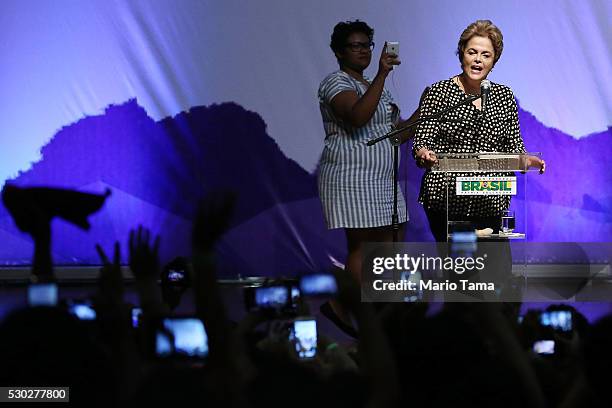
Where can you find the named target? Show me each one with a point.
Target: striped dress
(355, 180)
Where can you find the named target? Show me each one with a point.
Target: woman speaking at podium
(468, 130)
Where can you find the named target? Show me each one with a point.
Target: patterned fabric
(466, 130)
(355, 180)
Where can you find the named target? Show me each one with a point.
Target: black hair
(344, 29)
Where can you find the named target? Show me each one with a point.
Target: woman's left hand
(537, 162)
(542, 166)
(528, 162)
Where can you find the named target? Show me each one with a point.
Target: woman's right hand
(387, 61)
(426, 158)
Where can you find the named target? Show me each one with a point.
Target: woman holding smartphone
(356, 180)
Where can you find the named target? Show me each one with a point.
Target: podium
(479, 189)
(492, 181)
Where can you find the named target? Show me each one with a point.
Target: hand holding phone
(557, 319)
(183, 337)
(388, 58)
(268, 298)
(303, 336)
(544, 347)
(82, 309)
(392, 48)
(318, 285)
(42, 294)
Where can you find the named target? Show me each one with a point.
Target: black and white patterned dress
(356, 180)
(465, 130)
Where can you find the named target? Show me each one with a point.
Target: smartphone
(82, 309)
(296, 296)
(463, 243)
(557, 319)
(546, 347)
(183, 337)
(392, 48)
(176, 276)
(318, 285)
(303, 335)
(413, 295)
(273, 297)
(136, 313)
(42, 294)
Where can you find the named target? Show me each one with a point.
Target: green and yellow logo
(486, 185)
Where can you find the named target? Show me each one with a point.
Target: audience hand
(110, 281)
(212, 219)
(144, 260)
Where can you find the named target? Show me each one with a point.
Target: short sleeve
(427, 131)
(333, 85)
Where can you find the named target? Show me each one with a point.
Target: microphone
(485, 88)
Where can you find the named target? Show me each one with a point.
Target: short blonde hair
(482, 28)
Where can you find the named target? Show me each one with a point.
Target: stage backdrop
(162, 101)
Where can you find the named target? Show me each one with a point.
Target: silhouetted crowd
(465, 354)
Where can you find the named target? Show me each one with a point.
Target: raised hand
(144, 263)
(212, 219)
(387, 61)
(110, 281)
(377, 361)
(114, 320)
(144, 259)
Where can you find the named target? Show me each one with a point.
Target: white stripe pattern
(356, 180)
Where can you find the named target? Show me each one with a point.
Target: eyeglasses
(358, 46)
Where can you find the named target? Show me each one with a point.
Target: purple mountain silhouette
(174, 162)
(158, 170)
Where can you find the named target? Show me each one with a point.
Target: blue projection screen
(164, 101)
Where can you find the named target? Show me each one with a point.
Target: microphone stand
(396, 142)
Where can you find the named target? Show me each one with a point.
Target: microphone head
(485, 85)
(485, 88)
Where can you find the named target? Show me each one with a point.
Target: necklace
(476, 103)
(460, 85)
